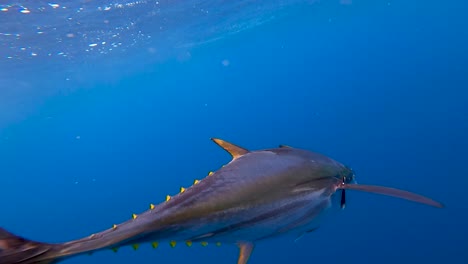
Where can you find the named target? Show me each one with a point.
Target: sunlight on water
(76, 30)
(47, 48)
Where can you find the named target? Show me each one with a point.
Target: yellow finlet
(168, 197)
(115, 249)
(151, 206)
(134, 216)
(135, 246)
(188, 243)
(204, 243)
(182, 189)
(154, 244)
(218, 244)
(196, 182)
(173, 243)
(114, 226)
(210, 173)
(232, 149)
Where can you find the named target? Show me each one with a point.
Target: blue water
(90, 135)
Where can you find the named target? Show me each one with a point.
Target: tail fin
(17, 250)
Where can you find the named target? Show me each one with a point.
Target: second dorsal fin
(232, 149)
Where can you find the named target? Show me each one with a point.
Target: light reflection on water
(76, 30)
(49, 48)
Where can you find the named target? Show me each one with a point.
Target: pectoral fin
(246, 249)
(393, 192)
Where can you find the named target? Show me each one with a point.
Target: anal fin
(245, 250)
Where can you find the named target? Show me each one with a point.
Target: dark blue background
(379, 86)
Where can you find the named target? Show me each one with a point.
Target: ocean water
(107, 106)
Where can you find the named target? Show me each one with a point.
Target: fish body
(258, 195)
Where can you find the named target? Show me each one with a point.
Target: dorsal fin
(232, 149)
(284, 146)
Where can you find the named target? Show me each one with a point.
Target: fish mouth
(388, 191)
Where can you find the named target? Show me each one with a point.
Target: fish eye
(347, 179)
(348, 176)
